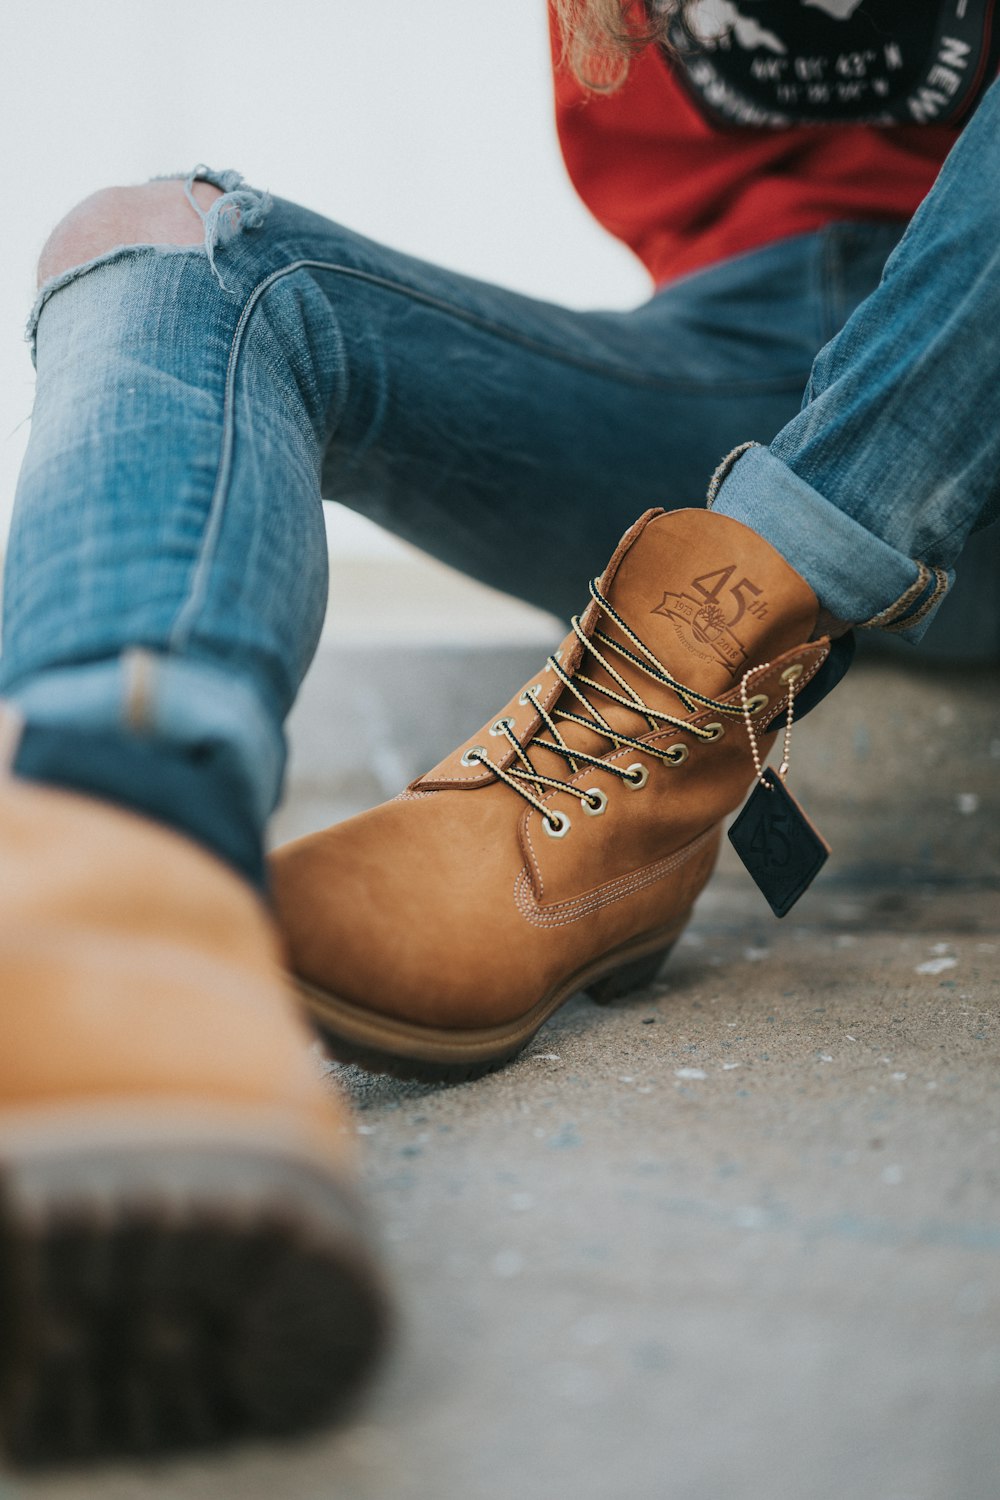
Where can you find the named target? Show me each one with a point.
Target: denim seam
(180, 632)
(893, 612)
(774, 384)
(897, 617)
(929, 605)
(537, 346)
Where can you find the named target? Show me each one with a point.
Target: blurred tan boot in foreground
(182, 1257)
(562, 847)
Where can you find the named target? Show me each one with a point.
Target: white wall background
(424, 123)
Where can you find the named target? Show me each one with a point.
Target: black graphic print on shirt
(885, 62)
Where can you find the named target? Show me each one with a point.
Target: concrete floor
(737, 1238)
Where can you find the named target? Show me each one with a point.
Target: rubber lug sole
(430, 1054)
(156, 1296)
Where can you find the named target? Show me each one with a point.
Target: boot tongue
(709, 598)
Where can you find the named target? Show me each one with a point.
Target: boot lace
(528, 781)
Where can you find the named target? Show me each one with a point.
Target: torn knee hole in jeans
(239, 208)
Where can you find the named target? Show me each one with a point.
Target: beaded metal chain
(752, 734)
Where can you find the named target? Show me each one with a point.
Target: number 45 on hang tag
(776, 841)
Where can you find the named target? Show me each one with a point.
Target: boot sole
(171, 1283)
(383, 1044)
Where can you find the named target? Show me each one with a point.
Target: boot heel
(631, 976)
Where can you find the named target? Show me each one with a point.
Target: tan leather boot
(182, 1256)
(562, 847)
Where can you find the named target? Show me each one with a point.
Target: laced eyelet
(759, 700)
(556, 825)
(535, 688)
(500, 725)
(636, 775)
(472, 756)
(558, 657)
(594, 801)
(676, 755)
(712, 732)
(793, 673)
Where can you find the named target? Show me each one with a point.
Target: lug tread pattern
(141, 1316)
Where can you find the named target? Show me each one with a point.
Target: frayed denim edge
(239, 208)
(119, 252)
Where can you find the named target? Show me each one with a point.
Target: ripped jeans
(167, 571)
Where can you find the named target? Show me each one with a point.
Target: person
(186, 1256)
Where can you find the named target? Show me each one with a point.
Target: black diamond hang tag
(777, 843)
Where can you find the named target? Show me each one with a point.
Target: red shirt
(683, 192)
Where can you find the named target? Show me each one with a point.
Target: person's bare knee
(154, 213)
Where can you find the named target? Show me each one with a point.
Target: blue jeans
(895, 455)
(167, 574)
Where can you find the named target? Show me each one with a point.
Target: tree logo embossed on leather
(704, 619)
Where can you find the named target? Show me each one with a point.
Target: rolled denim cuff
(157, 698)
(855, 575)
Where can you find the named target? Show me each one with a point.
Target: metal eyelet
(712, 732)
(594, 801)
(759, 700)
(793, 673)
(556, 825)
(472, 756)
(676, 755)
(535, 688)
(500, 725)
(558, 657)
(636, 775)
